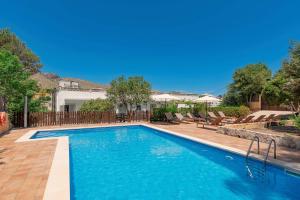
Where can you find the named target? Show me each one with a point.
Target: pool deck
(25, 166)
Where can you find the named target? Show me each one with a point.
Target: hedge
(232, 111)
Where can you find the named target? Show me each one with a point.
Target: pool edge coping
(282, 164)
(59, 174)
(58, 180)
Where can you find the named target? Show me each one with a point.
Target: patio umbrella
(207, 100)
(164, 97)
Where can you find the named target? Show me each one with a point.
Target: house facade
(68, 94)
(70, 99)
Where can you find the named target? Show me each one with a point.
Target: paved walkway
(209, 133)
(24, 167)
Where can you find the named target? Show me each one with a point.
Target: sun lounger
(247, 119)
(212, 115)
(170, 118)
(275, 119)
(269, 118)
(181, 118)
(215, 122)
(202, 115)
(238, 120)
(191, 116)
(222, 114)
(259, 119)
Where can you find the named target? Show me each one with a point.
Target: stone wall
(242, 131)
(4, 126)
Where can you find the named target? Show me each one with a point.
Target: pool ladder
(254, 171)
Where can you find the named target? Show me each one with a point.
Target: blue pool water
(136, 162)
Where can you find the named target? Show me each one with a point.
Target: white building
(71, 99)
(185, 96)
(70, 93)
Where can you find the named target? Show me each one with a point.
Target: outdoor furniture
(170, 118)
(247, 119)
(222, 114)
(181, 118)
(191, 116)
(259, 119)
(238, 120)
(212, 115)
(269, 118)
(215, 122)
(201, 115)
(274, 120)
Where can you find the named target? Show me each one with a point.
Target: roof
(44, 82)
(83, 84)
(182, 93)
(48, 82)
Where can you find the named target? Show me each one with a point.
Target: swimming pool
(137, 162)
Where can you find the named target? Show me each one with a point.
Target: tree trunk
(3, 103)
(128, 111)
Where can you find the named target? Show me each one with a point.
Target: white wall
(182, 97)
(69, 97)
(186, 97)
(122, 109)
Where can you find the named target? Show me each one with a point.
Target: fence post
(148, 116)
(25, 111)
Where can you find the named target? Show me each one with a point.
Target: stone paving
(24, 167)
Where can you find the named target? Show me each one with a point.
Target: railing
(269, 147)
(249, 149)
(253, 170)
(36, 119)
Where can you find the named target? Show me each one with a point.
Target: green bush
(199, 107)
(297, 122)
(244, 111)
(232, 111)
(283, 122)
(159, 113)
(100, 105)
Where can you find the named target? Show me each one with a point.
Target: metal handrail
(255, 138)
(270, 144)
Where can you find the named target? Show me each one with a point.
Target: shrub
(159, 113)
(297, 122)
(244, 111)
(283, 122)
(232, 111)
(199, 107)
(101, 105)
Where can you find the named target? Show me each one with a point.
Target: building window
(66, 108)
(138, 108)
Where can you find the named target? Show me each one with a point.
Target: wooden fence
(37, 119)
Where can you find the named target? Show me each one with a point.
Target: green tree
(274, 92)
(291, 72)
(232, 98)
(100, 105)
(247, 83)
(139, 90)
(14, 83)
(9, 41)
(129, 92)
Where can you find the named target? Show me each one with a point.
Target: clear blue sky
(186, 45)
